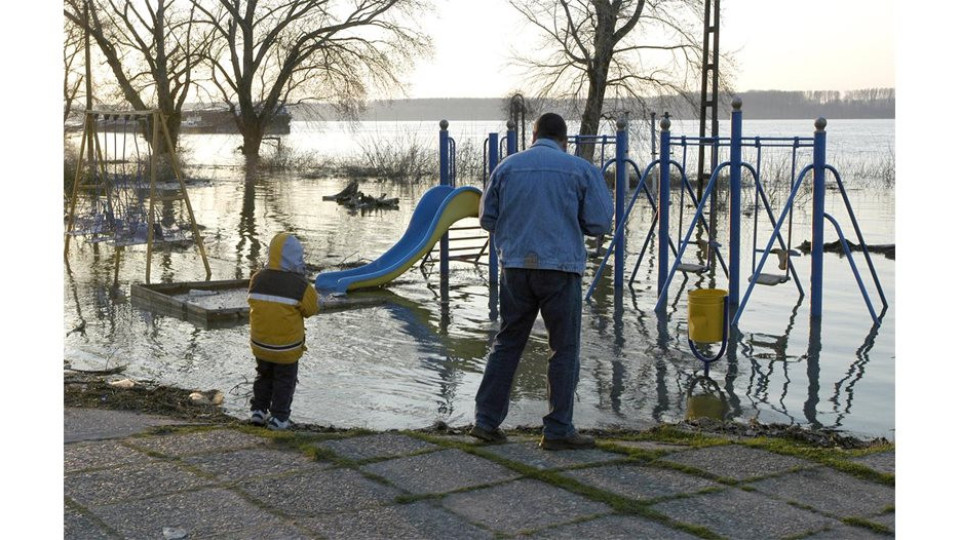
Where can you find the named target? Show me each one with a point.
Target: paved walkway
(135, 476)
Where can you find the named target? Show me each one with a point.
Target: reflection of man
(539, 204)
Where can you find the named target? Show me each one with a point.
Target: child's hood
(286, 253)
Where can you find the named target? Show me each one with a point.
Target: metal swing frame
(101, 184)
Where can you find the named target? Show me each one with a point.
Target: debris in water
(123, 383)
(209, 397)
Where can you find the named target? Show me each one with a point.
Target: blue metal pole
(493, 143)
(736, 160)
(444, 181)
(819, 197)
(511, 137)
(619, 201)
(663, 206)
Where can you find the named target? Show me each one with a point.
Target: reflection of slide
(440, 207)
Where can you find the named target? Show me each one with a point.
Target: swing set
(118, 197)
(734, 167)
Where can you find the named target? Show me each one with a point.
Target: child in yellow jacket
(280, 299)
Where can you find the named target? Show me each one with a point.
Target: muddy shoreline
(110, 390)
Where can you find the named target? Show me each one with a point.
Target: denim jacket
(540, 203)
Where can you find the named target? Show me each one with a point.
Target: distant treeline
(774, 104)
(757, 104)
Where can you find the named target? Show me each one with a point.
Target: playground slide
(440, 207)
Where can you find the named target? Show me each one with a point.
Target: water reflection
(248, 246)
(705, 399)
(81, 326)
(813, 372)
(854, 374)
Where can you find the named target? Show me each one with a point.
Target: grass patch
(866, 524)
(670, 434)
(835, 458)
(412, 498)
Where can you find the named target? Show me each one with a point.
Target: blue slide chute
(440, 207)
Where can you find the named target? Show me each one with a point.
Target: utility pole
(87, 75)
(709, 98)
(518, 113)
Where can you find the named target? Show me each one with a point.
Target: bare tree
(271, 52)
(73, 76)
(152, 47)
(632, 49)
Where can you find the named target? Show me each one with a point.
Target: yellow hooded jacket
(280, 298)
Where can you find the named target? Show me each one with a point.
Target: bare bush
(403, 159)
(470, 166)
(285, 159)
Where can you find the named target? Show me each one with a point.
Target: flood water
(415, 355)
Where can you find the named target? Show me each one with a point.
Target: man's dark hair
(550, 126)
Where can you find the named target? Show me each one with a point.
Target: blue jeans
(557, 296)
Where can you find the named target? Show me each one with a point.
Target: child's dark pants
(273, 388)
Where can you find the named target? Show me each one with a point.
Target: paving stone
(382, 445)
(830, 492)
(266, 532)
(98, 424)
(128, 482)
(529, 454)
(846, 532)
(78, 525)
(199, 442)
(883, 462)
(100, 454)
(735, 513)
(638, 482)
(440, 472)
(420, 520)
(736, 462)
(316, 492)
(652, 446)
(252, 462)
(522, 505)
(201, 513)
(614, 528)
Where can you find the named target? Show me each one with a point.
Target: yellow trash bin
(705, 315)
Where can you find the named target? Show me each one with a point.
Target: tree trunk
(252, 138)
(593, 108)
(590, 119)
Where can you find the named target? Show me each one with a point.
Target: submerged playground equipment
(436, 213)
(734, 167)
(446, 204)
(120, 196)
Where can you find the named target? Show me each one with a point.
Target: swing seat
(695, 268)
(772, 279)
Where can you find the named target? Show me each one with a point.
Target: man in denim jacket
(539, 204)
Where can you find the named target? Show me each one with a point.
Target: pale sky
(781, 45)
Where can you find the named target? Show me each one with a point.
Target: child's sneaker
(277, 425)
(258, 418)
